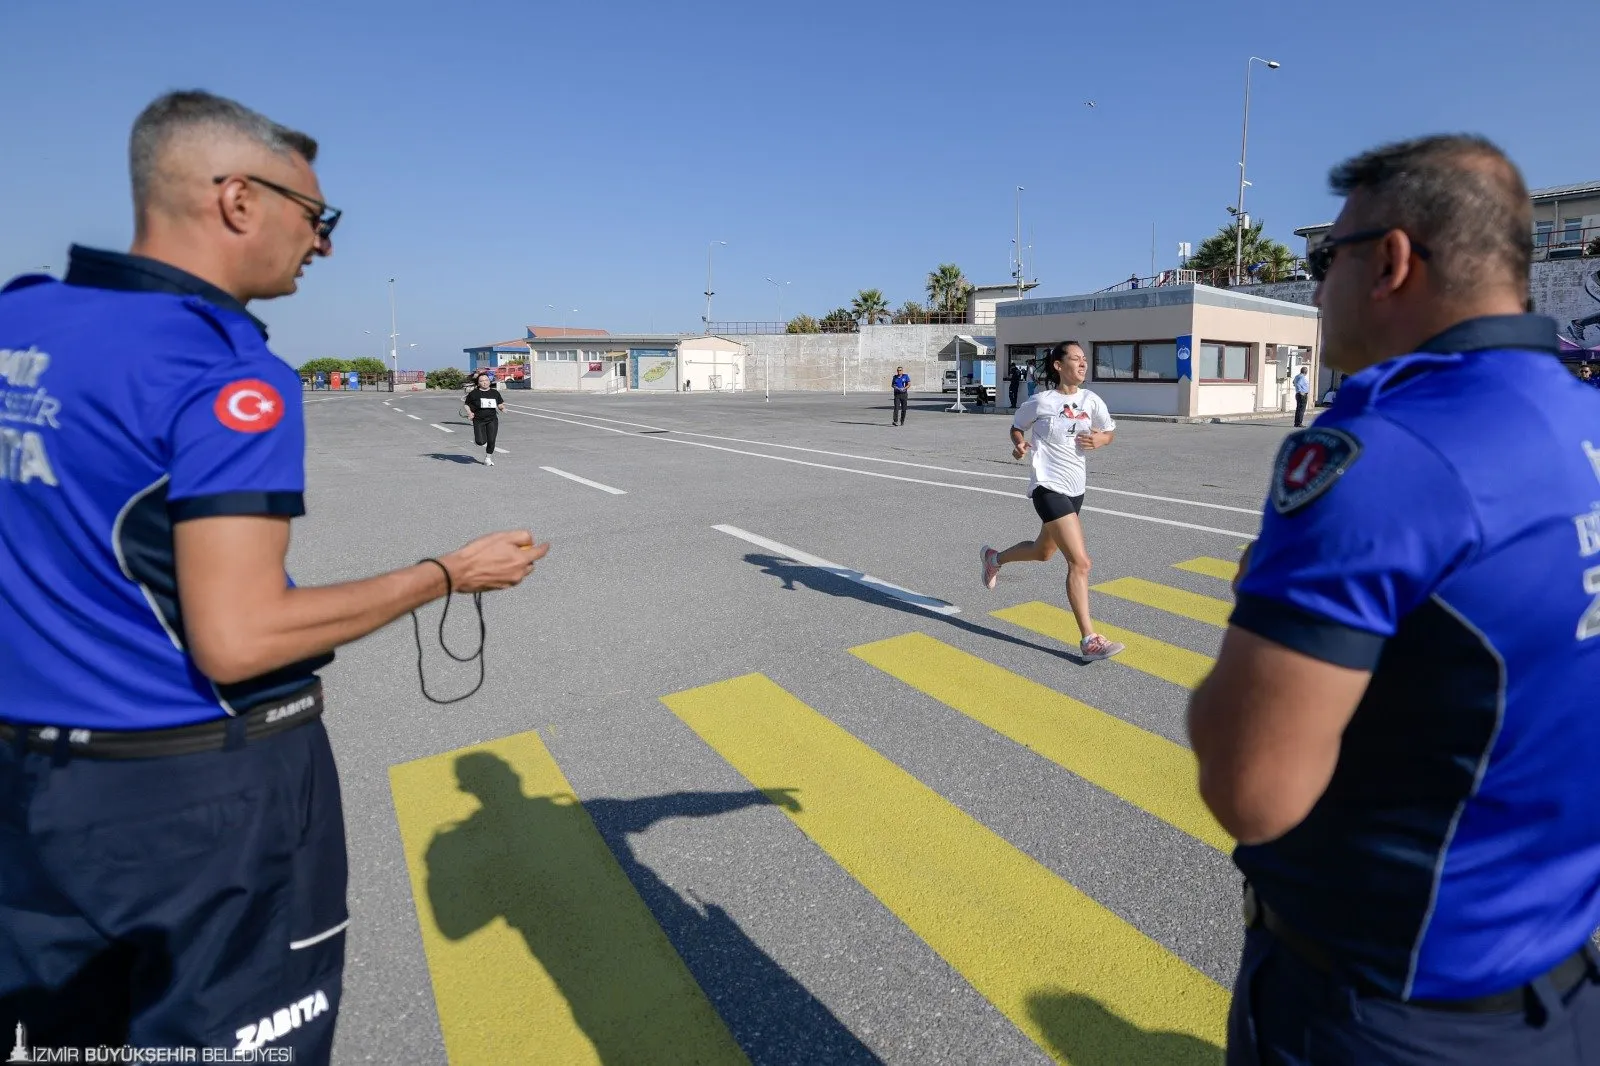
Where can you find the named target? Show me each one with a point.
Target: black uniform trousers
(900, 405)
(1287, 1013)
(484, 432)
(1299, 408)
(182, 901)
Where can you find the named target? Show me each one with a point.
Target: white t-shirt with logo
(1052, 421)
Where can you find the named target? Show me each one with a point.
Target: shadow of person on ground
(449, 457)
(817, 579)
(513, 858)
(1080, 1030)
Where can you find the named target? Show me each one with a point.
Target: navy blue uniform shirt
(133, 396)
(901, 382)
(1440, 526)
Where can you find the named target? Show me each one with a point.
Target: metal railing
(977, 319)
(1570, 242)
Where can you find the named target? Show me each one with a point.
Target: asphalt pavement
(757, 772)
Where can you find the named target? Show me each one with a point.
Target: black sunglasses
(1321, 258)
(322, 217)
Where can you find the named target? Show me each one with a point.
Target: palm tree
(870, 306)
(1217, 252)
(948, 288)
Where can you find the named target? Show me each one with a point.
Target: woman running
(1067, 420)
(483, 407)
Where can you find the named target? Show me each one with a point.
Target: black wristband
(449, 586)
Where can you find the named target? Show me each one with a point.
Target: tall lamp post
(709, 248)
(394, 353)
(1238, 217)
(1020, 269)
(766, 373)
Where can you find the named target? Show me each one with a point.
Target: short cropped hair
(1457, 194)
(190, 109)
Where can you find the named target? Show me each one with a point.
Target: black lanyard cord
(416, 629)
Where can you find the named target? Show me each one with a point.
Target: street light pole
(1244, 145)
(709, 248)
(767, 372)
(394, 336)
(1020, 271)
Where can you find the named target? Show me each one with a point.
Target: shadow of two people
(527, 859)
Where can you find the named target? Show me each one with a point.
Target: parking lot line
(538, 945)
(1064, 969)
(1146, 770)
(441, 429)
(904, 595)
(584, 481)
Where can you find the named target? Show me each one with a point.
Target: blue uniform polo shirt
(1440, 526)
(133, 396)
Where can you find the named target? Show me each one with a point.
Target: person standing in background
(901, 384)
(1302, 392)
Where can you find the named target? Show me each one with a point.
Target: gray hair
(1457, 194)
(177, 112)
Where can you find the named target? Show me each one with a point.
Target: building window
(1541, 234)
(1136, 361)
(1220, 361)
(1571, 230)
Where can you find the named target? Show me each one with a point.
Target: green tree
(803, 324)
(948, 289)
(448, 377)
(368, 366)
(839, 320)
(910, 314)
(870, 307)
(1216, 254)
(326, 366)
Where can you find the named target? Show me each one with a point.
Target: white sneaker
(991, 566)
(488, 460)
(1094, 646)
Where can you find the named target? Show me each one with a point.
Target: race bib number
(486, 403)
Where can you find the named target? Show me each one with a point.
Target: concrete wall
(857, 362)
(1128, 397)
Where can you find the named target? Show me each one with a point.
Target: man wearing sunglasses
(172, 854)
(1401, 728)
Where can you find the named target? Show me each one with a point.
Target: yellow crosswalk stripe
(1146, 770)
(537, 943)
(1221, 569)
(1145, 654)
(1076, 978)
(1166, 598)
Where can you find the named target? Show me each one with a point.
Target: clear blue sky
(498, 157)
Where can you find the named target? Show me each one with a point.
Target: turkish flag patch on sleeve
(249, 406)
(1308, 464)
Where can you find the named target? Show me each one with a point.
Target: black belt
(263, 721)
(1564, 976)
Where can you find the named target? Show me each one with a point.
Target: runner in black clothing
(483, 407)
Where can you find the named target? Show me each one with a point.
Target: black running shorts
(1052, 505)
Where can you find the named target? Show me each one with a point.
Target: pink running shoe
(991, 567)
(1094, 646)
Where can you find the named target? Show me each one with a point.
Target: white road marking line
(402, 410)
(585, 481)
(501, 451)
(890, 477)
(386, 403)
(417, 417)
(902, 462)
(437, 426)
(904, 595)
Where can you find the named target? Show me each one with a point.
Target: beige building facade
(1188, 351)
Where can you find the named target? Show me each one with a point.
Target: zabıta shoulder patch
(1308, 464)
